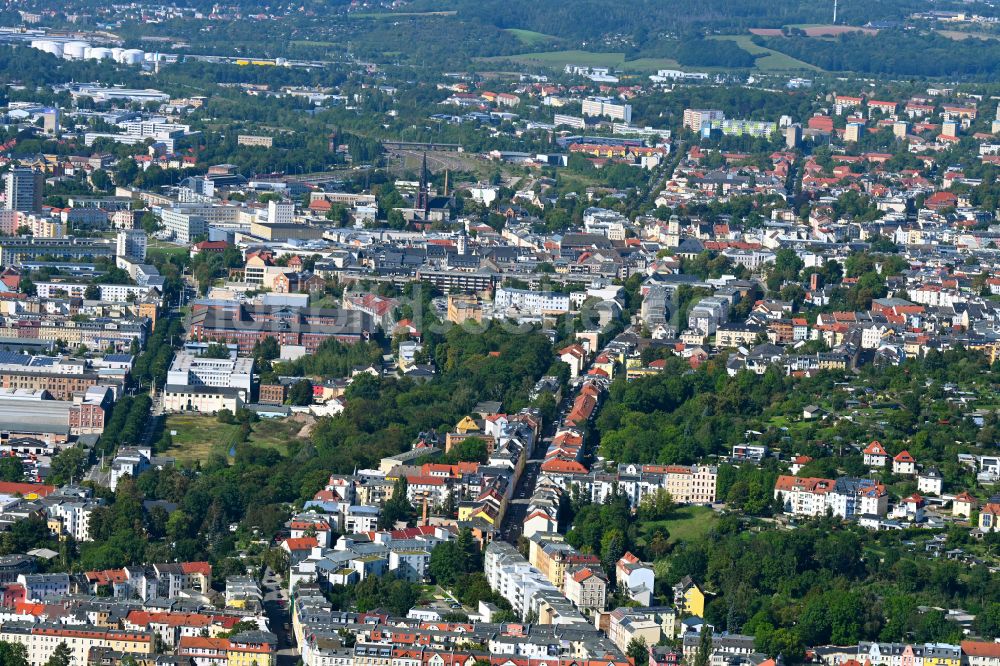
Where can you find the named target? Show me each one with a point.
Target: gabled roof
(875, 449)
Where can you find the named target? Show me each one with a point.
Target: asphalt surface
(279, 618)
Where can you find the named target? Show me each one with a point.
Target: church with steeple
(428, 205)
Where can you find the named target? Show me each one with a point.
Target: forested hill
(649, 19)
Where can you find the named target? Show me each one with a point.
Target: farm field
(559, 59)
(768, 60)
(530, 37)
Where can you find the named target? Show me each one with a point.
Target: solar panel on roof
(13, 357)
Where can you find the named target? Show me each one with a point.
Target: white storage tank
(132, 56)
(75, 50)
(98, 53)
(116, 53)
(49, 46)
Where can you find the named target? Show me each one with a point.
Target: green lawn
(768, 60)
(559, 59)
(530, 37)
(200, 435)
(688, 523)
(164, 248)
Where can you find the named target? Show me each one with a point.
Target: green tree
(301, 393)
(13, 654)
(101, 180)
(638, 651)
(216, 350)
(988, 621)
(67, 465)
(267, 349)
(11, 469)
(451, 560)
(397, 508)
(61, 656)
(703, 656)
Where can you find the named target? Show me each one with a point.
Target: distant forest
(896, 53)
(647, 20)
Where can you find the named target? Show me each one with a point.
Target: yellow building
(462, 308)
(689, 597)
(467, 425)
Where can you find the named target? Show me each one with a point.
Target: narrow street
(279, 618)
(511, 527)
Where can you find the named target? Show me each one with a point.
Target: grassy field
(960, 35)
(768, 60)
(308, 43)
(275, 433)
(200, 435)
(559, 59)
(688, 523)
(530, 37)
(163, 247)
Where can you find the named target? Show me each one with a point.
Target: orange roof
(812, 485)
(981, 649)
(301, 543)
(203, 568)
(964, 496)
(203, 643)
(562, 465)
(875, 449)
(13, 488)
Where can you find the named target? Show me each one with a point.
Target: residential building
(23, 190)
(607, 107)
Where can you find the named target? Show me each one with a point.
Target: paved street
(279, 617)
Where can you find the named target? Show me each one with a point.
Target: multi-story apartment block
(846, 497)
(694, 484)
(606, 106)
(695, 118)
(530, 302)
(41, 640)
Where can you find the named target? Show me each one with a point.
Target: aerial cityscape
(500, 333)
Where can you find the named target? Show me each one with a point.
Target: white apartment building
(694, 484)
(131, 243)
(188, 369)
(845, 497)
(280, 212)
(110, 293)
(188, 221)
(532, 302)
(75, 517)
(525, 587)
(183, 226)
(607, 107)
